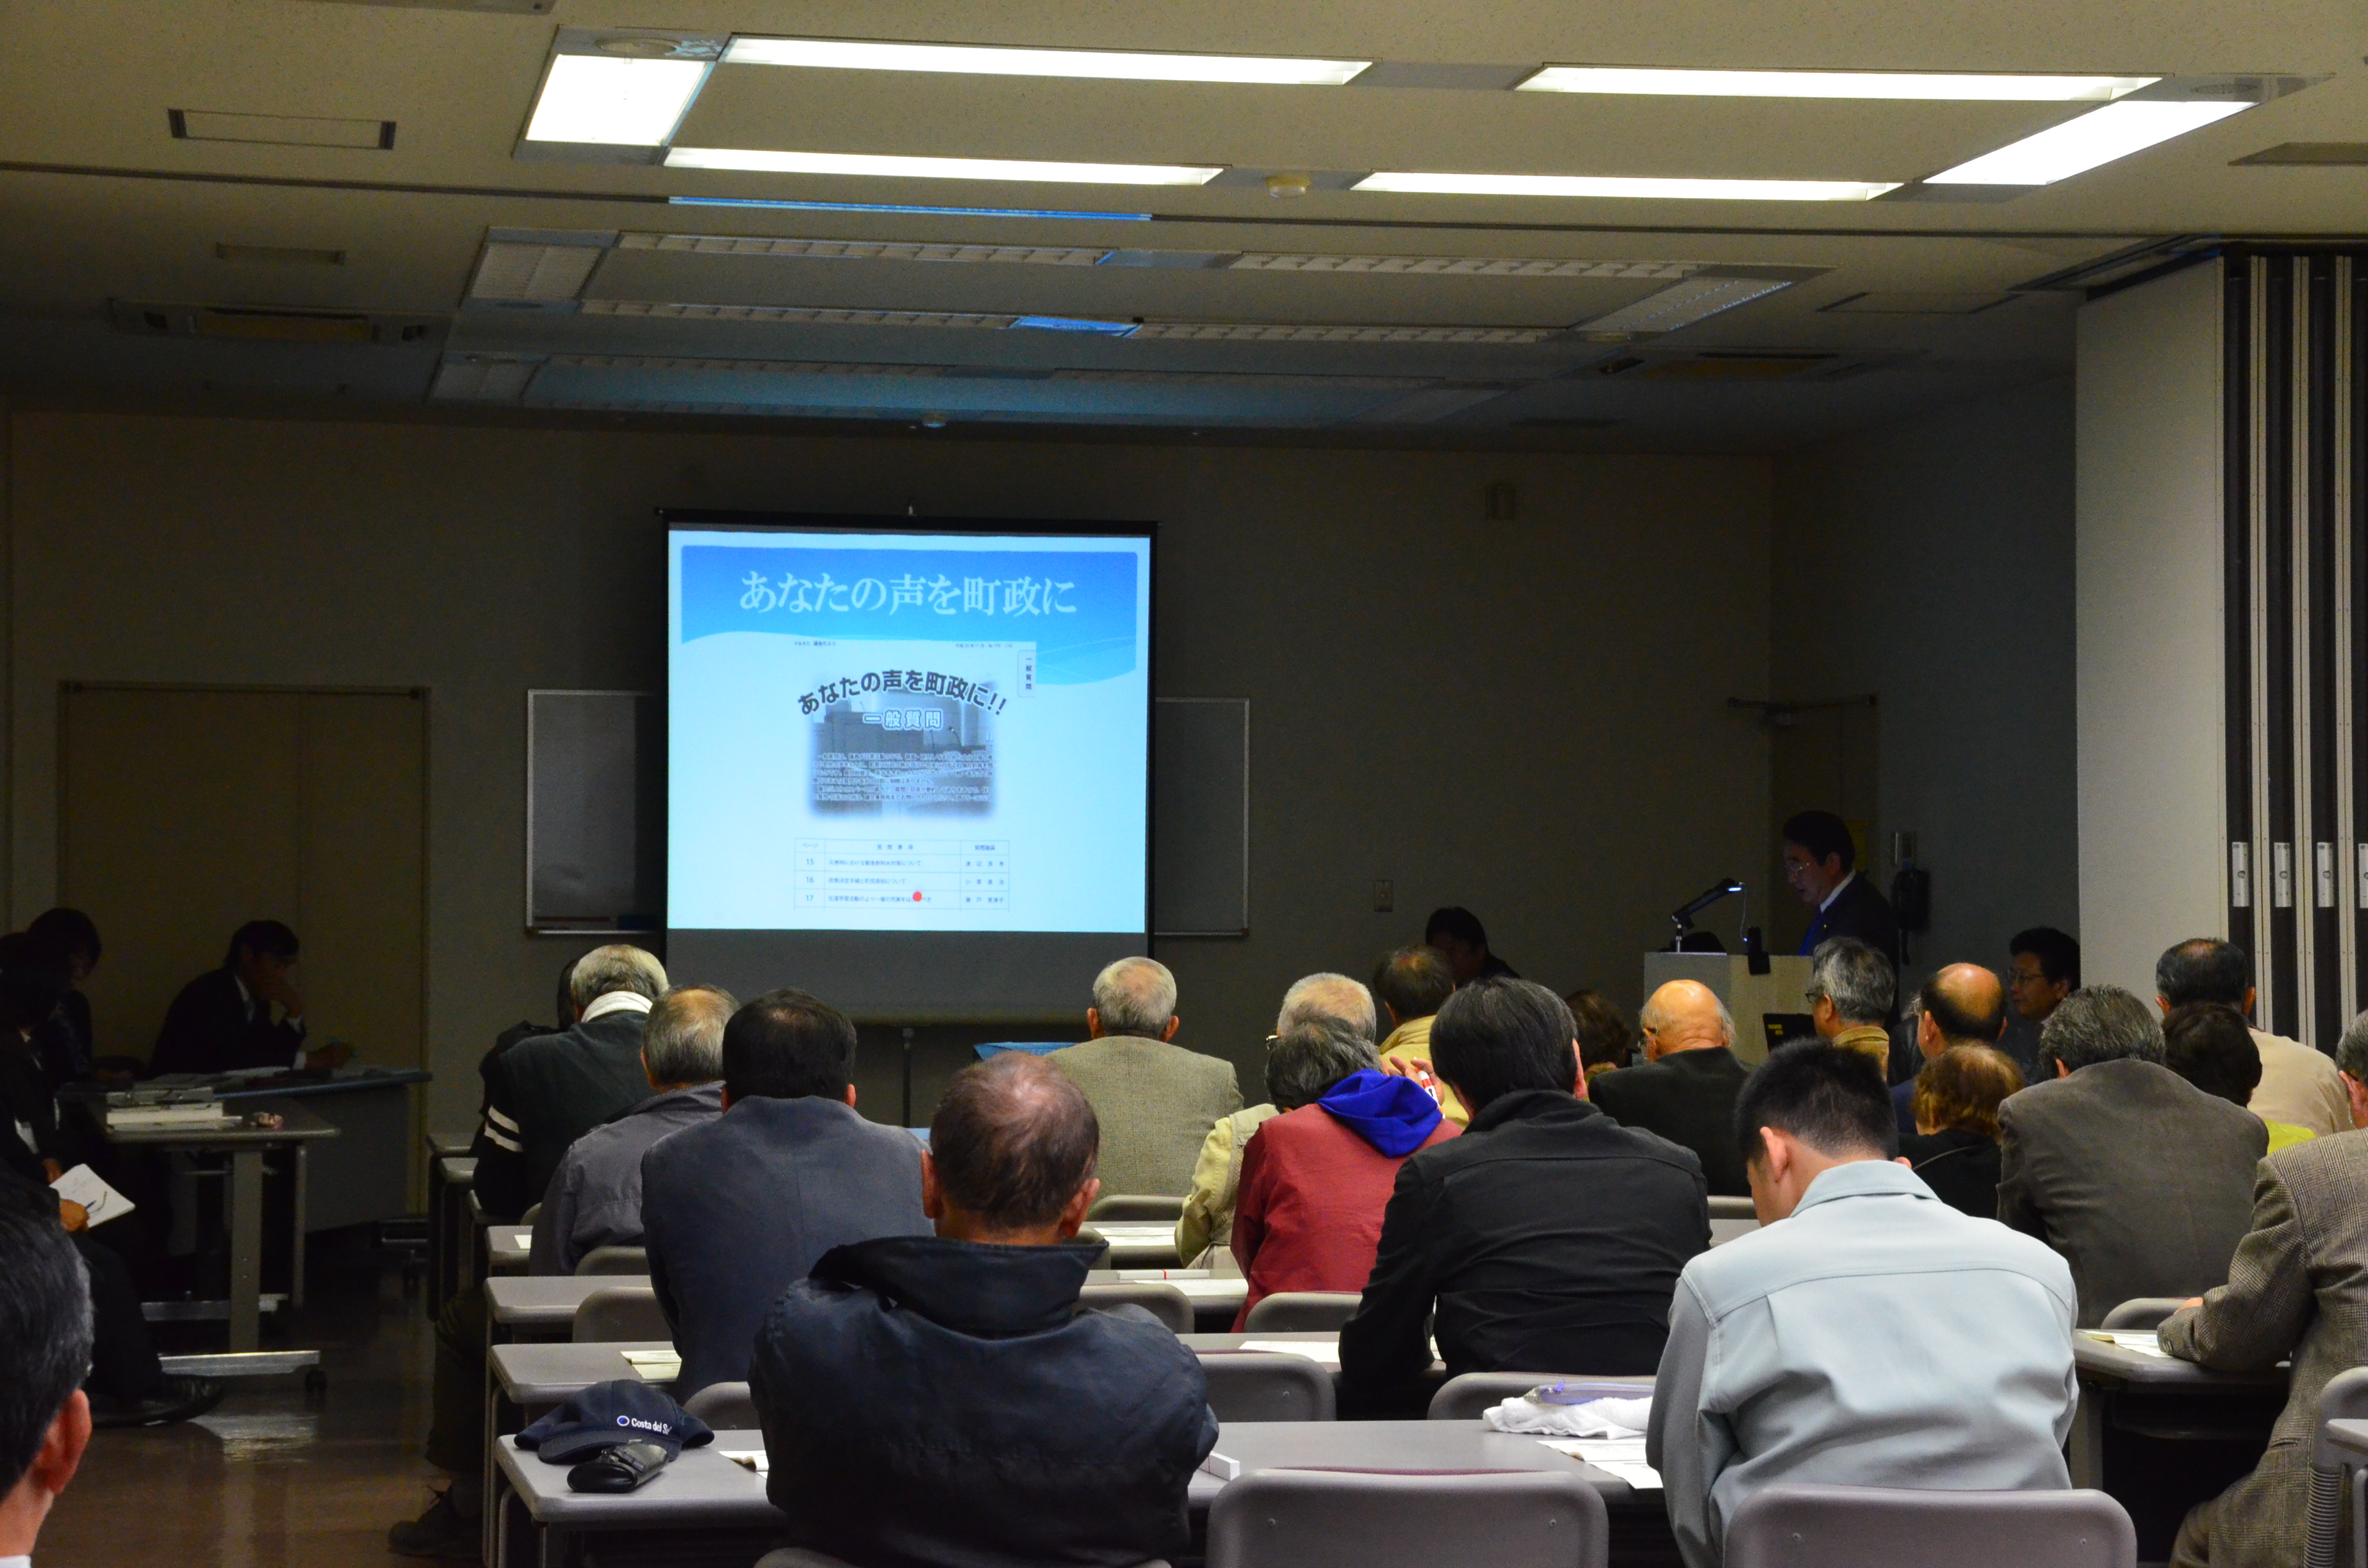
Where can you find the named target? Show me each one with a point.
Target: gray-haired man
(1155, 1101)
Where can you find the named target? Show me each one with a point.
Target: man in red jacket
(1315, 1179)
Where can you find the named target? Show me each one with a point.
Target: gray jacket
(1803, 1352)
(1155, 1104)
(2141, 1180)
(2297, 1286)
(595, 1197)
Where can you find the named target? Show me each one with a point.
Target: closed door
(185, 813)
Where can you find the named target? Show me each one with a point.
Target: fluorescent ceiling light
(2098, 137)
(886, 207)
(1075, 324)
(973, 60)
(616, 102)
(1621, 186)
(1684, 303)
(758, 160)
(1921, 85)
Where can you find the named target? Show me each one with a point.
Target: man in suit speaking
(1818, 861)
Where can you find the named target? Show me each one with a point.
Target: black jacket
(1961, 1167)
(736, 1210)
(213, 1027)
(1861, 911)
(543, 1095)
(933, 1403)
(1550, 1238)
(1687, 1097)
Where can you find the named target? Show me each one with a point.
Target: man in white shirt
(44, 1352)
(1804, 1352)
(2298, 1085)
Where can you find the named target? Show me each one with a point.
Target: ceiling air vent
(2309, 155)
(273, 323)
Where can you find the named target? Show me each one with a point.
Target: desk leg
(245, 1248)
(296, 1247)
(2086, 1449)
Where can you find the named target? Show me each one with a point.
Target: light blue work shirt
(1877, 1337)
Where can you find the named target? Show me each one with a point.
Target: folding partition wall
(2295, 546)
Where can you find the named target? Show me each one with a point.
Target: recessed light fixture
(1075, 324)
(614, 102)
(891, 207)
(1683, 305)
(761, 161)
(1956, 86)
(1621, 186)
(2098, 137)
(981, 59)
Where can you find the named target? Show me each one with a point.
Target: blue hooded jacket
(1394, 1115)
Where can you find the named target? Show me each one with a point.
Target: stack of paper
(1622, 1457)
(753, 1458)
(654, 1365)
(2145, 1342)
(1324, 1352)
(82, 1184)
(173, 1118)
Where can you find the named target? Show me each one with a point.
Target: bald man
(1962, 1004)
(1685, 1087)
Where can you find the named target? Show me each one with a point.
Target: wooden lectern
(1750, 997)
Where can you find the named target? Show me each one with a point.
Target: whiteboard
(595, 812)
(1200, 816)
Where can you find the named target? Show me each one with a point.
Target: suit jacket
(1549, 1237)
(736, 1210)
(595, 1196)
(2297, 1286)
(213, 1027)
(1155, 1102)
(1859, 910)
(544, 1093)
(1687, 1097)
(2140, 1179)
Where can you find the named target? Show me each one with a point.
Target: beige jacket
(1208, 1219)
(2300, 1086)
(1410, 1041)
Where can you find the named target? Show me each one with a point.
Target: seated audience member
(2047, 969)
(45, 1345)
(1316, 1177)
(939, 1402)
(1954, 1147)
(1961, 1004)
(1866, 1335)
(1457, 933)
(68, 1045)
(2298, 1084)
(1851, 988)
(1685, 1087)
(1548, 1237)
(544, 1093)
(1820, 858)
(2295, 1290)
(1606, 1043)
(1207, 1222)
(2140, 1179)
(1413, 982)
(222, 1020)
(2211, 1046)
(595, 1196)
(1155, 1101)
(736, 1210)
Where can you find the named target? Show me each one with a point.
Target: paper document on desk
(654, 1365)
(1620, 1458)
(2145, 1342)
(82, 1184)
(1326, 1353)
(749, 1459)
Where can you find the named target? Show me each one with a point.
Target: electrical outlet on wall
(1385, 897)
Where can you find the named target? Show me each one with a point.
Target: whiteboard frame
(534, 929)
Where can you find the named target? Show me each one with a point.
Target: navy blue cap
(607, 1414)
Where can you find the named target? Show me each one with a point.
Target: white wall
(1930, 562)
(2151, 737)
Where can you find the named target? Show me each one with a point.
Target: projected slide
(907, 732)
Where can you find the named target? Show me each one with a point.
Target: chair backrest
(1876, 1527)
(1089, 1234)
(2141, 1311)
(616, 1312)
(533, 1212)
(1139, 1207)
(1472, 1395)
(2345, 1398)
(727, 1407)
(1733, 1209)
(1308, 1518)
(1301, 1311)
(1259, 1385)
(1166, 1302)
(614, 1260)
